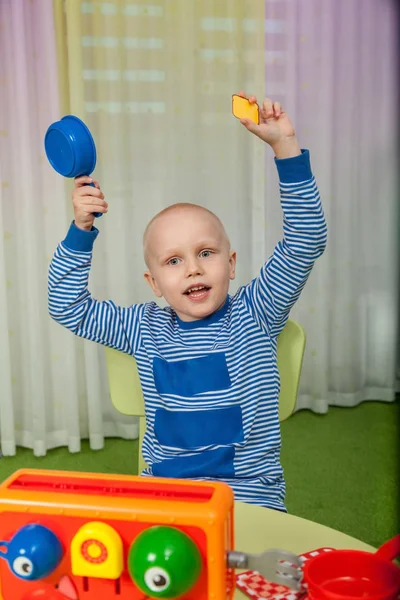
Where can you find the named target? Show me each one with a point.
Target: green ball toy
(164, 562)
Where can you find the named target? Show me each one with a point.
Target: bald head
(182, 219)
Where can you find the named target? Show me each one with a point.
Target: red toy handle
(390, 549)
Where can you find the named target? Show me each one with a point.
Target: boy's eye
(173, 261)
(205, 253)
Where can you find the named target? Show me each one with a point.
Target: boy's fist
(87, 200)
(275, 128)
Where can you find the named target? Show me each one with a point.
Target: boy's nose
(193, 268)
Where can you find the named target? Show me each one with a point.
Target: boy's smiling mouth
(197, 292)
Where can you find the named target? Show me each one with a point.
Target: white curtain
(336, 71)
(52, 392)
(153, 82)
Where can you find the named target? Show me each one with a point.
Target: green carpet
(341, 468)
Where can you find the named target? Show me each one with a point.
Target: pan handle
(96, 214)
(390, 549)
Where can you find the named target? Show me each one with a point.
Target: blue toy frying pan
(70, 148)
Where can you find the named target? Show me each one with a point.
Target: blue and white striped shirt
(211, 386)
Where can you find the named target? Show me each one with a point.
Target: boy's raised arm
(70, 302)
(272, 294)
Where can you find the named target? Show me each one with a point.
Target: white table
(257, 529)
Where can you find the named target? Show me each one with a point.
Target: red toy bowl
(354, 574)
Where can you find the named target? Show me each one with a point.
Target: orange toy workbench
(84, 536)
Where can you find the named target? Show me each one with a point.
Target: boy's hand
(275, 128)
(87, 200)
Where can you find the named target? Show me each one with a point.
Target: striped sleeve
(71, 304)
(271, 295)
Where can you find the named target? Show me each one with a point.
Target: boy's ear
(152, 283)
(232, 264)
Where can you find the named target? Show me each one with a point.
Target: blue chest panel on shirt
(191, 376)
(190, 429)
(211, 463)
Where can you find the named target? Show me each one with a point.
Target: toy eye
(22, 566)
(157, 579)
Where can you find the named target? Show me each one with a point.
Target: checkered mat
(256, 587)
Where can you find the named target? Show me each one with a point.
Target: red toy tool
(354, 574)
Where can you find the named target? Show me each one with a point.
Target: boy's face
(187, 248)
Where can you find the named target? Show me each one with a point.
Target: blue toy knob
(33, 552)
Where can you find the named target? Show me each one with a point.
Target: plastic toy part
(97, 551)
(44, 594)
(355, 574)
(33, 552)
(65, 590)
(70, 148)
(243, 109)
(98, 518)
(164, 562)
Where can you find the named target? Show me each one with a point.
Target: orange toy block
(97, 519)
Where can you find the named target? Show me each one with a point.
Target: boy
(207, 363)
